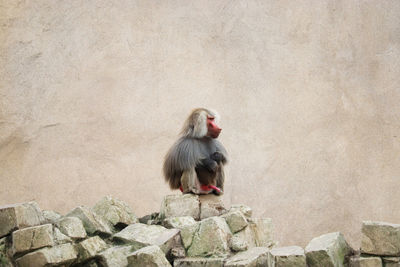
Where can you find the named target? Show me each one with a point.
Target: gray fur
(189, 150)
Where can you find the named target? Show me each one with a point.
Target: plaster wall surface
(93, 93)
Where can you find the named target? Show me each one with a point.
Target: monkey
(194, 163)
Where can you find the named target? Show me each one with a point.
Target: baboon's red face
(213, 128)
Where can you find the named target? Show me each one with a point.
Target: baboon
(194, 163)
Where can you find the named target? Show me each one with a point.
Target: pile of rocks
(189, 230)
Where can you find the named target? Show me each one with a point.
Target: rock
(254, 257)
(211, 205)
(61, 254)
(238, 244)
(60, 238)
(148, 219)
(32, 238)
(92, 223)
(115, 256)
(17, 216)
(5, 260)
(211, 239)
(380, 238)
(199, 262)
(365, 262)
(178, 252)
(292, 256)
(88, 248)
(236, 221)
(72, 227)
(141, 235)
(328, 250)
(246, 210)
(51, 216)
(178, 222)
(180, 205)
(263, 231)
(187, 234)
(148, 256)
(115, 212)
(391, 261)
(90, 263)
(246, 236)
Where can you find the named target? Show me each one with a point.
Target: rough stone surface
(246, 236)
(236, 221)
(179, 222)
(358, 261)
(244, 209)
(180, 205)
(391, 261)
(254, 257)
(211, 239)
(51, 216)
(115, 212)
(380, 238)
(88, 248)
(211, 205)
(148, 256)
(263, 231)
(93, 224)
(115, 256)
(5, 260)
(32, 238)
(237, 243)
(327, 250)
(60, 238)
(292, 256)
(140, 235)
(199, 262)
(72, 227)
(187, 234)
(19, 216)
(61, 254)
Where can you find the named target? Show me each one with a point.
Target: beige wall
(93, 93)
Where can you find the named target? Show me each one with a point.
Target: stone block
(180, 205)
(60, 238)
(245, 210)
(141, 235)
(380, 238)
(236, 221)
(199, 262)
(72, 227)
(32, 238)
(263, 231)
(187, 234)
(328, 250)
(51, 216)
(115, 212)
(254, 257)
(88, 248)
(292, 256)
(92, 223)
(59, 255)
(238, 244)
(115, 256)
(17, 216)
(358, 261)
(211, 239)
(391, 261)
(5, 258)
(178, 222)
(246, 236)
(148, 256)
(211, 205)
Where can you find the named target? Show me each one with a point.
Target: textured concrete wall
(93, 93)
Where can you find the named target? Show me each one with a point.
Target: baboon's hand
(209, 164)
